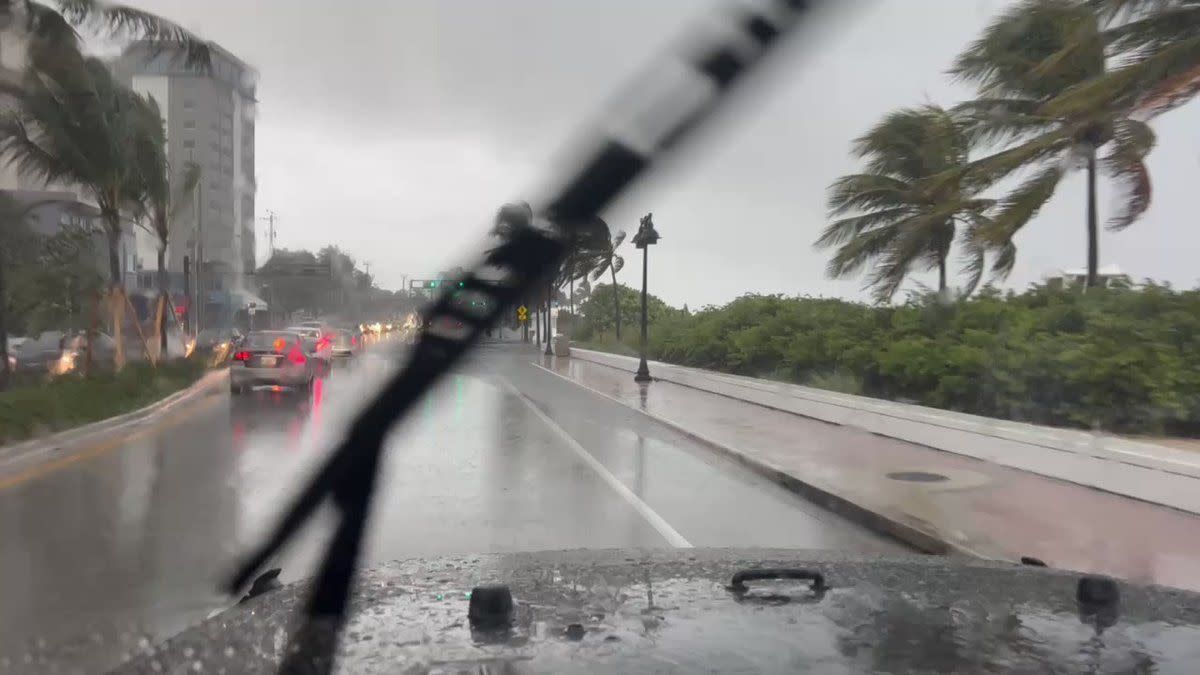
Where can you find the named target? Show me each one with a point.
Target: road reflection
(107, 553)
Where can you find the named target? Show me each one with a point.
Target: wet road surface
(125, 545)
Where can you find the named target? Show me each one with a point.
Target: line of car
(292, 357)
(57, 352)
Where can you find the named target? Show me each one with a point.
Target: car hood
(641, 611)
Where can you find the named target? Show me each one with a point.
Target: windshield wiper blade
(660, 120)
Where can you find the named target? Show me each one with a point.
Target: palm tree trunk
(941, 275)
(1093, 233)
(164, 302)
(3, 335)
(616, 299)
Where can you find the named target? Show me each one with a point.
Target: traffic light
(462, 284)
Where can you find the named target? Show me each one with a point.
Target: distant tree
(604, 258)
(597, 317)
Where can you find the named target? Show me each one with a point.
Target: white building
(209, 121)
(1106, 275)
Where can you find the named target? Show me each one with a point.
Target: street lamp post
(646, 236)
(549, 298)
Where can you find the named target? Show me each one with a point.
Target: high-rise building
(209, 119)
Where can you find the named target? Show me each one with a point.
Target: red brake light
(296, 356)
(241, 356)
(353, 340)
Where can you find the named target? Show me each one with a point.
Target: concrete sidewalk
(936, 501)
(1145, 471)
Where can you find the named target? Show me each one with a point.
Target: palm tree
(586, 250)
(1023, 61)
(904, 211)
(163, 197)
(81, 126)
(12, 219)
(606, 259)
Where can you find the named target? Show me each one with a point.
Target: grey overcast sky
(395, 129)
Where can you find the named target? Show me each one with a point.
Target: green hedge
(1117, 359)
(68, 402)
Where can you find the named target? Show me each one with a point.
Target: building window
(188, 104)
(189, 144)
(189, 124)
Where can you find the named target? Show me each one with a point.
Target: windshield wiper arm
(660, 120)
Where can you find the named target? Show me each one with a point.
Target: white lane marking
(656, 521)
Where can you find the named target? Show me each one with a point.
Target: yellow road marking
(46, 468)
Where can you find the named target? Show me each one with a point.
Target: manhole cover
(917, 476)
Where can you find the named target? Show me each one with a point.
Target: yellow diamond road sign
(522, 313)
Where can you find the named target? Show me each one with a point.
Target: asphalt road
(124, 544)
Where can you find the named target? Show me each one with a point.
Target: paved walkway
(1124, 466)
(976, 507)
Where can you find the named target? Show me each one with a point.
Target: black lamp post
(645, 237)
(549, 298)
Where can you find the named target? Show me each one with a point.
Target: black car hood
(653, 611)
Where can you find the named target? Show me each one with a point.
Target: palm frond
(921, 239)
(858, 252)
(868, 192)
(841, 231)
(1021, 205)
(125, 22)
(1132, 141)
(1035, 49)
(974, 246)
(31, 158)
(996, 121)
(1006, 257)
(996, 167)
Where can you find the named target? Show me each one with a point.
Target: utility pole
(270, 218)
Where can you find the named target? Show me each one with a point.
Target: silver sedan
(272, 358)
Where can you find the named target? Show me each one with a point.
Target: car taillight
(353, 340)
(241, 356)
(296, 356)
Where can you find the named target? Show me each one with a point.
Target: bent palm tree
(163, 195)
(606, 259)
(1023, 61)
(80, 126)
(903, 212)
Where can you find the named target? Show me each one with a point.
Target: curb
(889, 525)
(61, 441)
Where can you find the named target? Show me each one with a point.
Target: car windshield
(925, 291)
